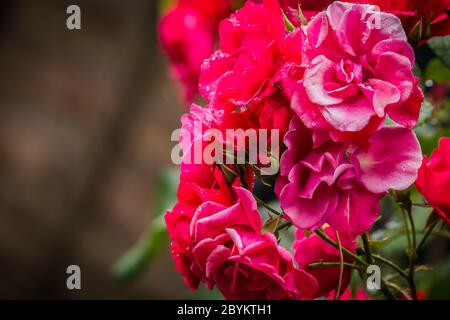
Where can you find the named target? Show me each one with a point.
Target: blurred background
(85, 124)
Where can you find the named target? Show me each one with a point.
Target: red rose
(434, 179)
(188, 34)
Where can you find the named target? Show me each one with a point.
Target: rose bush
(336, 81)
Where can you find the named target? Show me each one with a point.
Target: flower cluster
(217, 237)
(329, 83)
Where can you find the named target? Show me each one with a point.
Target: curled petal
(392, 160)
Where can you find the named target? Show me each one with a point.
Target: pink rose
(198, 183)
(191, 195)
(340, 183)
(231, 253)
(434, 179)
(358, 69)
(215, 229)
(313, 249)
(251, 78)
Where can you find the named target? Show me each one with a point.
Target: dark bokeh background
(85, 124)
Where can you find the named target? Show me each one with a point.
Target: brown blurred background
(85, 124)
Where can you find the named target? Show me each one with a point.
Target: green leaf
(375, 245)
(140, 256)
(429, 135)
(287, 23)
(441, 47)
(167, 185)
(272, 224)
(135, 261)
(437, 71)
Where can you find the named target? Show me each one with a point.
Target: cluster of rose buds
(327, 80)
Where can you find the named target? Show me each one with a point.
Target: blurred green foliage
(135, 261)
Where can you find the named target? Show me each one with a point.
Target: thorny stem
(398, 289)
(412, 251)
(405, 221)
(265, 205)
(283, 225)
(370, 260)
(384, 285)
(334, 264)
(406, 210)
(322, 235)
(392, 265)
(365, 238)
(370, 257)
(341, 267)
(385, 290)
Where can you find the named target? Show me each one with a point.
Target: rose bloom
(216, 236)
(187, 32)
(341, 183)
(434, 179)
(250, 42)
(422, 19)
(256, 55)
(232, 253)
(222, 245)
(314, 249)
(358, 69)
(198, 183)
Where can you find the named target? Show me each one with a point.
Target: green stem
(425, 237)
(341, 267)
(322, 235)
(384, 285)
(398, 289)
(333, 264)
(367, 251)
(283, 225)
(405, 221)
(386, 291)
(392, 265)
(412, 252)
(265, 205)
(361, 271)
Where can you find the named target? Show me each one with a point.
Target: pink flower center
(348, 72)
